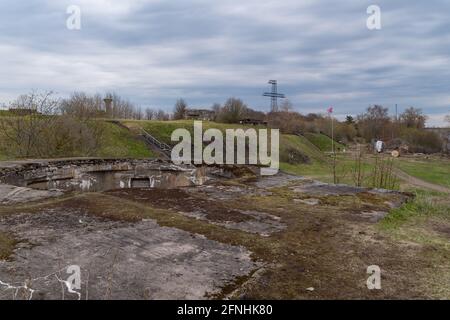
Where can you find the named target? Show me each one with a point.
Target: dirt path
(420, 183)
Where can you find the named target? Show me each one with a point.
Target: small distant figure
(379, 146)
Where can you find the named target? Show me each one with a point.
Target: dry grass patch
(7, 245)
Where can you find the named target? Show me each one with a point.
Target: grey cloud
(155, 51)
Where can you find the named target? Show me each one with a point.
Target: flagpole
(332, 134)
(330, 111)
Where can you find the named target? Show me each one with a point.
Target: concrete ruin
(93, 175)
(146, 229)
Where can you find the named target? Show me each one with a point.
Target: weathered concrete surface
(92, 175)
(310, 230)
(96, 175)
(278, 180)
(213, 208)
(118, 260)
(325, 189)
(11, 194)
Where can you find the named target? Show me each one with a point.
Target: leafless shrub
(41, 126)
(82, 106)
(22, 132)
(383, 175)
(358, 172)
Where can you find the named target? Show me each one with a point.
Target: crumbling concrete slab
(118, 260)
(278, 180)
(94, 175)
(124, 257)
(213, 208)
(12, 194)
(327, 189)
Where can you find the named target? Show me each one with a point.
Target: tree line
(42, 125)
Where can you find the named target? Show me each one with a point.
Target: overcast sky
(153, 52)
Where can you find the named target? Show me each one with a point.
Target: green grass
(320, 167)
(119, 142)
(4, 157)
(323, 142)
(425, 204)
(302, 144)
(116, 142)
(317, 168)
(162, 130)
(424, 223)
(7, 244)
(6, 113)
(430, 170)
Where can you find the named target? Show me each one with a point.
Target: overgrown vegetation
(323, 142)
(423, 205)
(383, 175)
(421, 141)
(37, 129)
(40, 126)
(7, 244)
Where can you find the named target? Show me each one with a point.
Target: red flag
(330, 110)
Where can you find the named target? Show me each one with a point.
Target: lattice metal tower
(274, 95)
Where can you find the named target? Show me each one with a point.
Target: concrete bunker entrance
(102, 175)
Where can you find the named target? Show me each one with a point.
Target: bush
(421, 140)
(39, 132)
(287, 122)
(294, 156)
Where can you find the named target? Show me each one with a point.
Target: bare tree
(33, 115)
(287, 106)
(413, 118)
(374, 123)
(41, 126)
(179, 109)
(149, 114)
(138, 114)
(216, 108)
(82, 106)
(233, 110)
(162, 115)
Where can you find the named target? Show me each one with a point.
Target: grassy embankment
(323, 142)
(118, 142)
(317, 166)
(115, 142)
(312, 145)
